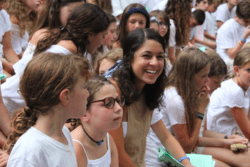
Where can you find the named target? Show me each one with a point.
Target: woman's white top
(10, 89)
(219, 117)
(36, 149)
(5, 27)
(103, 161)
(18, 43)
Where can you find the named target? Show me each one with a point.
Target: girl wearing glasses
(93, 145)
(141, 79)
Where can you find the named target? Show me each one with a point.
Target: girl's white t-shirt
(5, 27)
(219, 116)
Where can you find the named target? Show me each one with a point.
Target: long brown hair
(180, 11)
(188, 63)
(41, 85)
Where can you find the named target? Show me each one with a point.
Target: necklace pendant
(100, 142)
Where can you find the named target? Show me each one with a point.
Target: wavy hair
(126, 78)
(85, 19)
(41, 85)
(180, 12)
(20, 10)
(188, 63)
(122, 28)
(50, 15)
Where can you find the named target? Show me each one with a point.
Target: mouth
(150, 72)
(118, 119)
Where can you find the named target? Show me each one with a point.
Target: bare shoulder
(116, 45)
(69, 45)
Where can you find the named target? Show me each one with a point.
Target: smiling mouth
(150, 72)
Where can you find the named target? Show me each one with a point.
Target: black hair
(199, 16)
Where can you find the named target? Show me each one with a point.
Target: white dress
(219, 117)
(103, 161)
(35, 149)
(5, 27)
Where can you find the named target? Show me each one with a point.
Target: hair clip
(61, 28)
(108, 74)
(154, 19)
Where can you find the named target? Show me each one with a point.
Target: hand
(229, 142)
(212, 44)
(3, 158)
(234, 136)
(246, 33)
(203, 99)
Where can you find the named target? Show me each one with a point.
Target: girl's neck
(238, 82)
(51, 124)
(95, 134)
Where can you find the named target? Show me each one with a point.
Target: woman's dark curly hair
(126, 77)
(85, 19)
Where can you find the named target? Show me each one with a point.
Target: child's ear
(236, 70)
(65, 96)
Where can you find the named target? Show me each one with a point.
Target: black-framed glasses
(162, 24)
(109, 102)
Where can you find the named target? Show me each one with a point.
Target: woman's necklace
(97, 142)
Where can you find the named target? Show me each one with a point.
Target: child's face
(201, 78)
(136, 20)
(214, 82)
(243, 75)
(2, 4)
(101, 117)
(95, 41)
(203, 5)
(105, 65)
(66, 10)
(91, 1)
(33, 4)
(163, 28)
(192, 22)
(111, 37)
(233, 2)
(154, 26)
(212, 8)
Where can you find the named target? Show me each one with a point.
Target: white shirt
(223, 14)
(149, 4)
(219, 116)
(161, 5)
(228, 36)
(120, 5)
(210, 23)
(35, 149)
(5, 27)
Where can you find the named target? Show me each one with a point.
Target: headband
(136, 10)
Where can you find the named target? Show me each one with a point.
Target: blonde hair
(20, 10)
(113, 55)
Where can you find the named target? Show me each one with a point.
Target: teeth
(151, 72)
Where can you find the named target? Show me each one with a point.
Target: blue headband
(136, 10)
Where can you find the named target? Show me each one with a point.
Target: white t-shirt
(149, 4)
(192, 33)
(172, 34)
(103, 161)
(18, 43)
(173, 113)
(228, 36)
(210, 23)
(199, 29)
(161, 5)
(5, 27)
(120, 5)
(219, 117)
(35, 149)
(11, 97)
(223, 14)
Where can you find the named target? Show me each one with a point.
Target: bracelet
(241, 43)
(184, 157)
(243, 40)
(200, 115)
(226, 137)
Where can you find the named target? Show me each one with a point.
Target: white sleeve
(175, 111)
(172, 41)
(117, 8)
(226, 38)
(220, 14)
(156, 116)
(20, 162)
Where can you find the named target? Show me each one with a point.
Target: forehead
(151, 45)
(107, 90)
(137, 16)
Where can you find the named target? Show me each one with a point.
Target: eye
(141, 23)
(248, 70)
(147, 56)
(109, 102)
(132, 22)
(160, 57)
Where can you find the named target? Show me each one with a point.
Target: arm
(114, 153)
(242, 120)
(206, 34)
(169, 142)
(171, 54)
(124, 159)
(233, 51)
(3, 158)
(204, 42)
(219, 23)
(8, 51)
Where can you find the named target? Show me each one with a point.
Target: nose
(154, 61)
(117, 107)
(137, 25)
(115, 36)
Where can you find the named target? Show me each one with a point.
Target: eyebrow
(151, 52)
